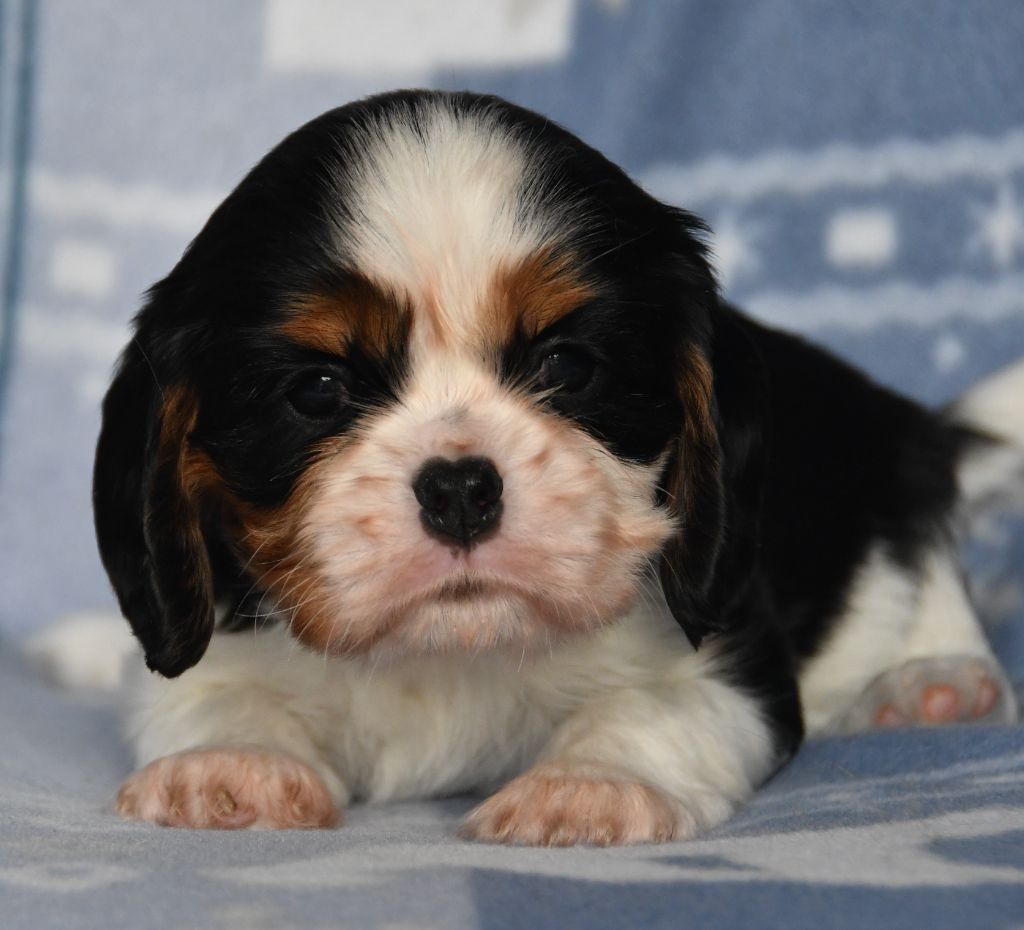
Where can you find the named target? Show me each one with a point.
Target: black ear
(714, 478)
(148, 527)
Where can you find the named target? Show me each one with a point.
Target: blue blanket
(923, 829)
(863, 168)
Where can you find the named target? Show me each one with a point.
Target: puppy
(447, 414)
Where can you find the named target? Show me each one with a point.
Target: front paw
(557, 805)
(227, 789)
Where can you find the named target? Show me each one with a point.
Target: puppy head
(436, 376)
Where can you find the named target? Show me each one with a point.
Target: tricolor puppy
(446, 414)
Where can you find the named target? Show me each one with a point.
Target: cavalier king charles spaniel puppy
(438, 464)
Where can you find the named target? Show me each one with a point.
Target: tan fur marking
(281, 564)
(194, 475)
(697, 445)
(196, 471)
(533, 294)
(179, 414)
(696, 390)
(358, 312)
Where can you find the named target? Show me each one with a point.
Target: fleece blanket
(922, 829)
(862, 166)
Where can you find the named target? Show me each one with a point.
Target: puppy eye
(319, 394)
(566, 369)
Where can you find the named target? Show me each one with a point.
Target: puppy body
(455, 404)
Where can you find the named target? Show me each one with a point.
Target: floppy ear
(145, 501)
(713, 479)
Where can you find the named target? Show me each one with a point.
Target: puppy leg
(234, 742)
(946, 672)
(637, 766)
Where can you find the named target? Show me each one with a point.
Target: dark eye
(567, 370)
(319, 394)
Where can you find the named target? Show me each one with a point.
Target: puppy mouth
(457, 590)
(468, 614)
(467, 590)
(464, 593)
(463, 612)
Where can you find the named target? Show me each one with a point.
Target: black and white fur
(784, 531)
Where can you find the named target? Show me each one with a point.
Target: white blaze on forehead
(439, 201)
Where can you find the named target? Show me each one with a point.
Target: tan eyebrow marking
(356, 312)
(533, 294)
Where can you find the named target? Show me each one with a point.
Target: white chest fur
(439, 724)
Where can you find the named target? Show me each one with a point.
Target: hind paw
(933, 691)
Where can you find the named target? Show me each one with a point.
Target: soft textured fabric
(922, 829)
(862, 165)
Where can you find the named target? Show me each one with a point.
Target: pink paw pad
(933, 692)
(940, 703)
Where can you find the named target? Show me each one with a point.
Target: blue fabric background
(862, 165)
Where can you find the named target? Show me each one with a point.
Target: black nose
(458, 500)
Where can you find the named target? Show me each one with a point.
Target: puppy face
(436, 376)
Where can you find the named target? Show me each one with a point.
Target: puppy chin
(474, 624)
(465, 617)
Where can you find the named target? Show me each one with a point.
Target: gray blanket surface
(922, 829)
